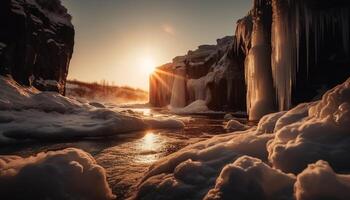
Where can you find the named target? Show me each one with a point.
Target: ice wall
(178, 92)
(260, 92)
(306, 34)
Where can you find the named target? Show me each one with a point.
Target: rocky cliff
(36, 42)
(209, 73)
(284, 52)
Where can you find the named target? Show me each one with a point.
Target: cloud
(65, 174)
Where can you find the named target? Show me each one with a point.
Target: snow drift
(26, 113)
(258, 163)
(65, 174)
(198, 106)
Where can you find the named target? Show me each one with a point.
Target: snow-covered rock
(28, 114)
(65, 174)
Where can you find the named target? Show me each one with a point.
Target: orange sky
(115, 38)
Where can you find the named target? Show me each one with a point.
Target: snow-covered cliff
(36, 42)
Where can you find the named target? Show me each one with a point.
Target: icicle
(284, 56)
(258, 75)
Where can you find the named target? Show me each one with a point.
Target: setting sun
(147, 64)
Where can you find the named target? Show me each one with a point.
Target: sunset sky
(117, 40)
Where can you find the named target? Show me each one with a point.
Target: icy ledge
(301, 154)
(27, 114)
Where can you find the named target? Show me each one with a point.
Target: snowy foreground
(301, 154)
(27, 114)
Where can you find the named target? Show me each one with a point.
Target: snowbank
(315, 131)
(65, 174)
(253, 164)
(27, 114)
(250, 178)
(195, 107)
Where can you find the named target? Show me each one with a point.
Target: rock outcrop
(36, 42)
(288, 52)
(209, 73)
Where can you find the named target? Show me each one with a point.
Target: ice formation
(255, 164)
(27, 114)
(178, 92)
(260, 92)
(65, 174)
(291, 19)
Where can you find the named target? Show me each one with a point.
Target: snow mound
(250, 178)
(234, 125)
(315, 131)
(253, 164)
(311, 183)
(195, 107)
(27, 114)
(65, 174)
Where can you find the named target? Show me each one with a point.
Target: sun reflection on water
(149, 148)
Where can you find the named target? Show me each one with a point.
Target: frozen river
(127, 157)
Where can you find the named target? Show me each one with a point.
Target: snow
(191, 171)
(65, 174)
(234, 125)
(256, 163)
(314, 131)
(319, 181)
(250, 178)
(48, 82)
(27, 114)
(198, 106)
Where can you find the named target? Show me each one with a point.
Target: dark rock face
(36, 42)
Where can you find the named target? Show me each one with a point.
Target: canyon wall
(36, 42)
(284, 52)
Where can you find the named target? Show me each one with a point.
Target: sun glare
(148, 65)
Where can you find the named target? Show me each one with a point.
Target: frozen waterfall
(178, 92)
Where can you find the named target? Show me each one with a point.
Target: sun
(147, 65)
